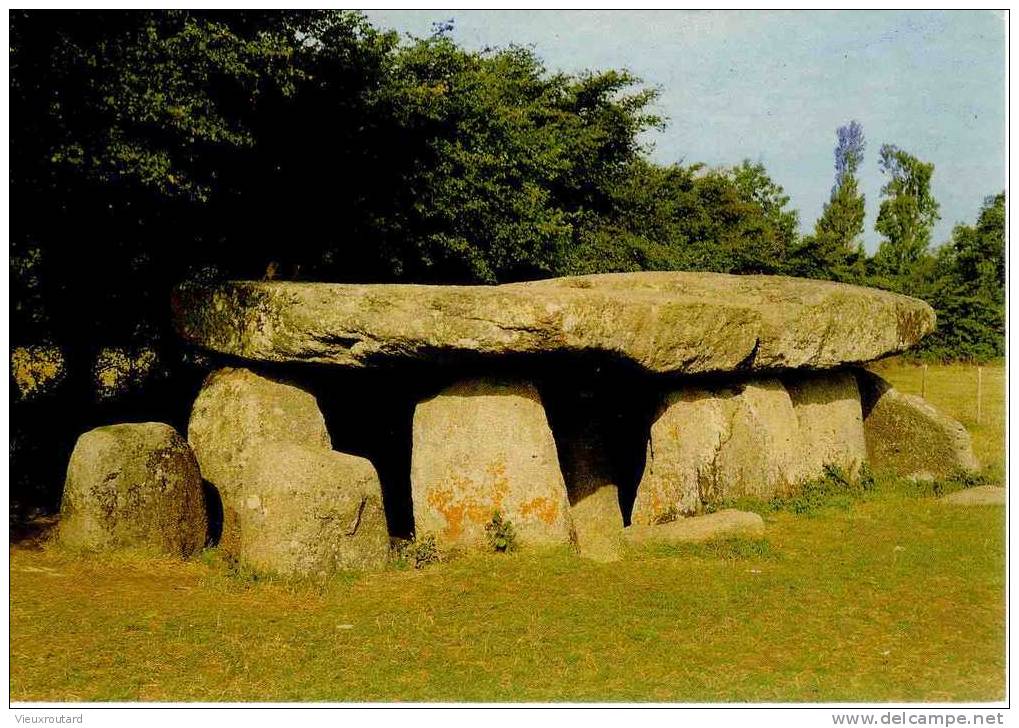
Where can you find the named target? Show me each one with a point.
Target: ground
(883, 595)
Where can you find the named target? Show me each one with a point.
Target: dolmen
(577, 409)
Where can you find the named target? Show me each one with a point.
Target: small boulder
(133, 485)
(983, 495)
(908, 436)
(482, 447)
(304, 511)
(696, 529)
(236, 414)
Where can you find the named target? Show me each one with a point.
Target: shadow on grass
(32, 531)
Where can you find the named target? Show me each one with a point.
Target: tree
(908, 212)
(835, 250)
(134, 134)
(155, 147)
(510, 165)
(729, 220)
(967, 289)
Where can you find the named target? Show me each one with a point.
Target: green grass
(882, 595)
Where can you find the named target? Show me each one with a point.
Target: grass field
(889, 597)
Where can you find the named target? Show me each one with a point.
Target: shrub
(420, 551)
(669, 515)
(835, 488)
(502, 538)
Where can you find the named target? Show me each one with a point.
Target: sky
(773, 86)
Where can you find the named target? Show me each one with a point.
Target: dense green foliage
(966, 285)
(835, 250)
(154, 147)
(908, 212)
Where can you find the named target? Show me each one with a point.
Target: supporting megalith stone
(304, 511)
(484, 446)
(708, 445)
(593, 494)
(683, 448)
(830, 418)
(908, 436)
(133, 485)
(236, 414)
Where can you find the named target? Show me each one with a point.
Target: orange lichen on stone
(542, 507)
(458, 503)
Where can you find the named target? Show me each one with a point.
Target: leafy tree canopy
(908, 211)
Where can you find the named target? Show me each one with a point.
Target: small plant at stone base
(865, 477)
(420, 551)
(232, 567)
(835, 488)
(669, 515)
(502, 537)
(955, 481)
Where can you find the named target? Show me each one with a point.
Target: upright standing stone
(757, 438)
(763, 453)
(236, 414)
(593, 493)
(484, 446)
(682, 453)
(133, 485)
(305, 511)
(907, 435)
(830, 418)
(709, 445)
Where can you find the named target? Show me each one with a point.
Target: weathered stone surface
(481, 447)
(663, 322)
(235, 415)
(907, 435)
(756, 438)
(695, 529)
(133, 485)
(830, 419)
(304, 511)
(598, 521)
(982, 495)
(707, 445)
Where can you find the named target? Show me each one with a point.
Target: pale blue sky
(773, 86)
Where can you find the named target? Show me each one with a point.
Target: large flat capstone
(665, 322)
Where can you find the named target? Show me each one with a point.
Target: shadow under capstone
(599, 410)
(600, 418)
